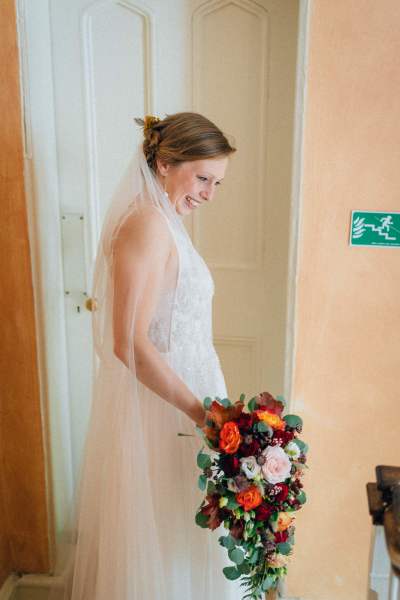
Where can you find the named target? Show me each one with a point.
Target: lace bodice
(182, 324)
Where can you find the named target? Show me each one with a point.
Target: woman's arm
(141, 252)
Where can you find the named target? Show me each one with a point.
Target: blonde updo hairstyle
(184, 136)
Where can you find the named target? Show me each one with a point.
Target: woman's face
(192, 183)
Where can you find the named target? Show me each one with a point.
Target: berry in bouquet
(252, 478)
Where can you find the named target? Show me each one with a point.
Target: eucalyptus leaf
(254, 557)
(228, 542)
(231, 573)
(262, 427)
(201, 520)
(203, 460)
(301, 445)
(292, 420)
(283, 547)
(302, 498)
(252, 404)
(207, 402)
(236, 556)
(226, 402)
(202, 482)
(242, 397)
(268, 583)
(244, 568)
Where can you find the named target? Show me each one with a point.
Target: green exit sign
(369, 228)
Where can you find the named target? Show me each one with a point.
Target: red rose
(249, 449)
(284, 491)
(263, 512)
(229, 464)
(281, 536)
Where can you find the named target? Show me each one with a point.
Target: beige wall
(348, 309)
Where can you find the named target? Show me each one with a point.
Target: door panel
(234, 61)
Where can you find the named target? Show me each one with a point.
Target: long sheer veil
(112, 524)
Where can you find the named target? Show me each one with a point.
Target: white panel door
(91, 67)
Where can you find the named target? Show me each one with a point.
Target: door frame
(44, 222)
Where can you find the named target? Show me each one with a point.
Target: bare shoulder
(143, 227)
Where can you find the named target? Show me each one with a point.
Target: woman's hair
(184, 136)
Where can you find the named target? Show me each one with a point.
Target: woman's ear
(162, 167)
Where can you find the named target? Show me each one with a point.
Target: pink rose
(277, 464)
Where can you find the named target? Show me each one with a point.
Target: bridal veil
(112, 523)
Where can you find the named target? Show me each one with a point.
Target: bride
(134, 535)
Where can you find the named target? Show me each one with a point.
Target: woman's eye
(202, 178)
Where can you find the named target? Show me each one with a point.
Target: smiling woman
(136, 535)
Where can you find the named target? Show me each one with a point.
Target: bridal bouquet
(252, 478)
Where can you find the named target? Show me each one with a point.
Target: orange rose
(229, 437)
(272, 420)
(249, 498)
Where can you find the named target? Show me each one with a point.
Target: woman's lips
(191, 202)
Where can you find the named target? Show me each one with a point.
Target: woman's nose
(207, 194)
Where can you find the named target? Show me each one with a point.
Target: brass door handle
(91, 304)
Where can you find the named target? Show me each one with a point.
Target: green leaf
(274, 516)
(211, 487)
(268, 583)
(283, 548)
(203, 460)
(231, 573)
(244, 568)
(225, 402)
(228, 542)
(302, 498)
(301, 445)
(254, 557)
(232, 504)
(262, 427)
(202, 482)
(201, 520)
(292, 420)
(281, 399)
(236, 556)
(207, 402)
(242, 397)
(252, 404)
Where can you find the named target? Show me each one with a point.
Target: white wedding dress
(131, 533)
(193, 558)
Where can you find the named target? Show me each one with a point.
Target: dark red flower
(249, 449)
(245, 421)
(266, 401)
(281, 536)
(264, 511)
(237, 529)
(283, 494)
(282, 437)
(211, 510)
(230, 464)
